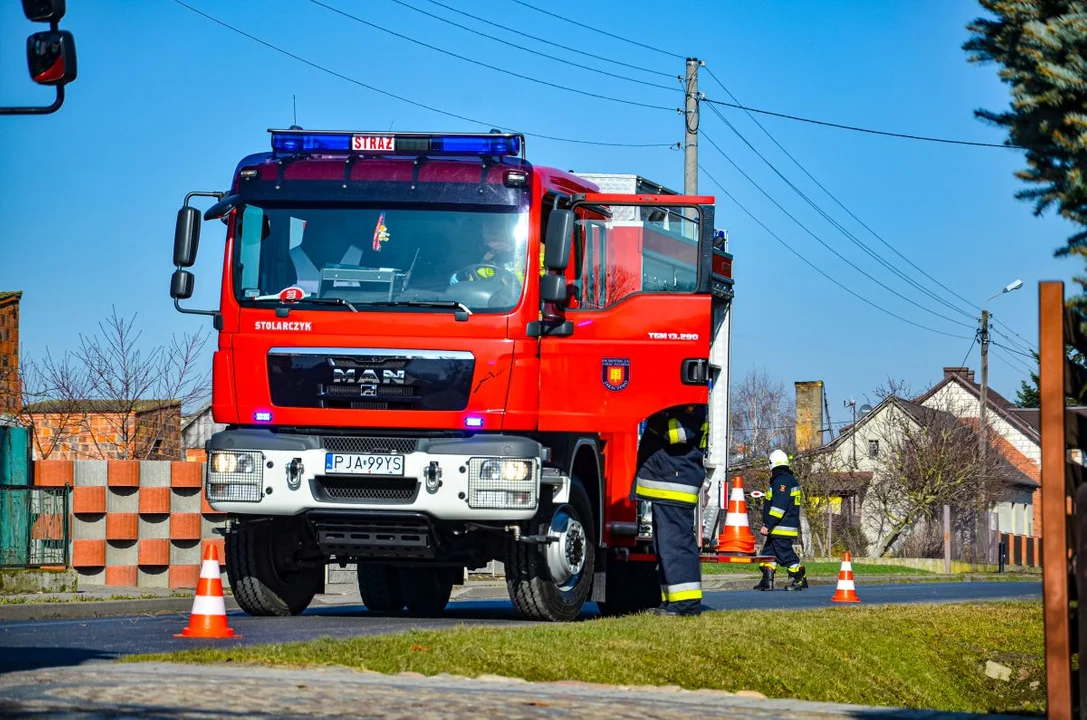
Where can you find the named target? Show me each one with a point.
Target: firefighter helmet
(778, 458)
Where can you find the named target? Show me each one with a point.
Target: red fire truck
(433, 354)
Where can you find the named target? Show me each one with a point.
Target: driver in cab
(499, 255)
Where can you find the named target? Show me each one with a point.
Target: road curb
(76, 610)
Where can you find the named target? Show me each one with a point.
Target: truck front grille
(366, 489)
(353, 444)
(407, 537)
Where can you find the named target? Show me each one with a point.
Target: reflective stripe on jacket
(781, 509)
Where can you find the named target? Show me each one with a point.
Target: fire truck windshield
(389, 258)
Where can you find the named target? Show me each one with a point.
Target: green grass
(814, 569)
(919, 656)
(24, 600)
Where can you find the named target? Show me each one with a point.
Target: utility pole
(690, 120)
(851, 403)
(984, 382)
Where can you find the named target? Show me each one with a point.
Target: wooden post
(947, 539)
(1055, 502)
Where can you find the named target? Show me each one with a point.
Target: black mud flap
(600, 576)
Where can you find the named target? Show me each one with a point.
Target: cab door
(636, 336)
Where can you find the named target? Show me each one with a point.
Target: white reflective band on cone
(735, 519)
(847, 566)
(205, 605)
(209, 570)
(846, 585)
(737, 495)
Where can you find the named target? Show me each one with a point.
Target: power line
(823, 243)
(550, 42)
(1013, 350)
(480, 63)
(534, 52)
(401, 98)
(906, 136)
(598, 30)
(841, 229)
(1022, 366)
(1025, 342)
(972, 343)
(842, 205)
(814, 267)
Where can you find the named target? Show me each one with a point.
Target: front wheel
(262, 576)
(426, 591)
(552, 581)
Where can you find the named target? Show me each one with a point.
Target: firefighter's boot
(799, 581)
(767, 582)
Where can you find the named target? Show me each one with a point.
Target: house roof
(189, 419)
(9, 295)
(994, 401)
(97, 407)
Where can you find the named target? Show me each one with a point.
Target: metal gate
(34, 527)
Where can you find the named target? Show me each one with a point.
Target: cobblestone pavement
(165, 690)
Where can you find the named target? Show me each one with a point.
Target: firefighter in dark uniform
(781, 524)
(670, 476)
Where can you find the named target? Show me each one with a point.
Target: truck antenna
(294, 103)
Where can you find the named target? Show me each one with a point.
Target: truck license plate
(359, 464)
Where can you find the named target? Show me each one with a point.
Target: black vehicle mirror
(553, 289)
(186, 236)
(181, 284)
(50, 57)
(559, 240)
(223, 207)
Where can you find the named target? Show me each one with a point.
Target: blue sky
(167, 101)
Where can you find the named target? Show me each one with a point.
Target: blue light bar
(473, 422)
(296, 141)
(263, 416)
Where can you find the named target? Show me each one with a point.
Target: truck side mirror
(186, 236)
(50, 57)
(222, 208)
(553, 289)
(559, 240)
(44, 10)
(181, 284)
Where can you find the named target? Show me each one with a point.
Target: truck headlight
(502, 484)
(235, 476)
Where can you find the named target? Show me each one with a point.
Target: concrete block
(185, 526)
(185, 552)
(153, 577)
(123, 500)
(123, 473)
(154, 526)
(90, 473)
(89, 500)
(184, 576)
(53, 473)
(209, 523)
(341, 576)
(154, 552)
(88, 553)
(89, 527)
(20, 582)
(121, 575)
(155, 500)
(155, 473)
(122, 552)
(186, 474)
(122, 526)
(92, 575)
(185, 500)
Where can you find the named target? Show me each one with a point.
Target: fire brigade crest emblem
(616, 373)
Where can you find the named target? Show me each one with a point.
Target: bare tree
(930, 458)
(127, 400)
(891, 387)
(761, 416)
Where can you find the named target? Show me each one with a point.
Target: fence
(34, 526)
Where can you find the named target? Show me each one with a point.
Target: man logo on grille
(616, 373)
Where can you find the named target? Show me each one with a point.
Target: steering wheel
(470, 273)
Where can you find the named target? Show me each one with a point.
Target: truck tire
(380, 588)
(260, 588)
(631, 587)
(426, 591)
(552, 581)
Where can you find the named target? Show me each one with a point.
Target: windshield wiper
(462, 310)
(316, 300)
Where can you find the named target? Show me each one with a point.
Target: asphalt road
(59, 643)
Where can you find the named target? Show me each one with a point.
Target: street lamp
(985, 361)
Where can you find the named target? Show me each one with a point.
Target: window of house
(873, 448)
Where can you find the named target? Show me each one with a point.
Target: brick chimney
(10, 390)
(809, 414)
(965, 373)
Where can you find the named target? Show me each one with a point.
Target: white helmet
(778, 458)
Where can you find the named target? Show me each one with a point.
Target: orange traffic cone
(846, 590)
(208, 618)
(736, 534)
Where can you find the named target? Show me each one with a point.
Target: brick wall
(10, 392)
(136, 523)
(74, 435)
